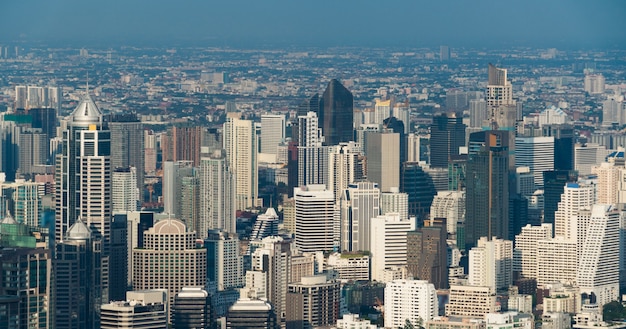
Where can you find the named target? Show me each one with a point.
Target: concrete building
(314, 302)
(251, 313)
(471, 301)
(412, 300)
(491, 264)
(125, 196)
(427, 253)
(312, 154)
(394, 201)
(451, 206)
(525, 253)
(552, 115)
(240, 143)
(352, 321)
(316, 226)
(345, 166)
(265, 225)
(608, 182)
(272, 132)
(192, 309)
(127, 145)
(383, 159)
(594, 84)
(224, 264)
(142, 309)
(389, 242)
(556, 261)
(587, 156)
(536, 153)
(359, 203)
(217, 193)
(23, 200)
(350, 266)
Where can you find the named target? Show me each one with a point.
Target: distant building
(192, 309)
(314, 302)
(336, 114)
(414, 301)
(142, 309)
(350, 266)
(388, 242)
(315, 219)
(471, 301)
(447, 135)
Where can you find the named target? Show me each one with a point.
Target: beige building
(169, 259)
(471, 301)
(457, 323)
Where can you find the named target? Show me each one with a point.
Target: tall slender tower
(240, 143)
(217, 194)
(336, 113)
(312, 156)
(83, 173)
(447, 134)
(127, 144)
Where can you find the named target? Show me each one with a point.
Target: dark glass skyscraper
(447, 134)
(426, 253)
(487, 181)
(336, 114)
(564, 141)
(420, 189)
(553, 186)
(127, 147)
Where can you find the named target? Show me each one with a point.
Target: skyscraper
(419, 187)
(182, 143)
(388, 242)
(427, 254)
(240, 143)
(313, 302)
(224, 264)
(410, 300)
(487, 180)
(491, 264)
(192, 309)
(536, 153)
(447, 134)
(272, 132)
(125, 194)
(345, 165)
(526, 246)
(359, 203)
(173, 175)
(501, 107)
(217, 193)
(316, 226)
(141, 309)
(312, 155)
(336, 114)
(127, 145)
(383, 159)
(265, 225)
(553, 186)
(564, 141)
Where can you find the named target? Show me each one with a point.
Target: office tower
(192, 309)
(9, 149)
(552, 116)
(240, 143)
(447, 134)
(345, 166)
(553, 186)
(536, 153)
(383, 159)
(444, 53)
(556, 261)
(127, 144)
(451, 206)
(382, 110)
(136, 224)
(501, 107)
(611, 112)
(155, 266)
(125, 194)
(575, 198)
(525, 181)
(173, 174)
(251, 313)
(23, 200)
(418, 146)
(312, 156)
(182, 143)
(33, 151)
(353, 266)
(26, 276)
(594, 84)
(336, 114)
(388, 242)
(359, 203)
(491, 264)
(141, 309)
(608, 182)
(316, 226)
(118, 257)
(30, 97)
(223, 259)
(598, 269)
(271, 270)
(401, 111)
(265, 225)
(80, 283)
(427, 254)
(413, 301)
(313, 302)
(394, 125)
(587, 156)
(190, 200)
(272, 132)
(150, 151)
(44, 119)
(471, 301)
(396, 202)
(526, 245)
(311, 104)
(487, 193)
(217, 196)
(478, 112)
(418, 185)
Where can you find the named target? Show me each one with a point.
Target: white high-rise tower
(240, 143)
(272, 132)
(217, 194)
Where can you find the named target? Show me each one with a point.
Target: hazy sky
(559, 23)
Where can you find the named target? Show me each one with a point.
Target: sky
(410, 23)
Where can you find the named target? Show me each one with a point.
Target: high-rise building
(444, 53)
(556, 261)
(608, 182)
(491, 264)
(265, 225)
(345, 166)
(567, 224)
(359, 203)
(478, 112)
(127, 145)
(312, 155)
(487, 193)
(536, 153)
(419, 187)
(350, 266)
(125, 194)
(471, 301)
(401, 111)
(192, 309)
(173, 175)
(157, 265)
(526, 246)
(80, 284)
(594, 83)
(501, 107)
(217, 196)
(45, 119)
(224, 264)
(553, 186)
(30, 97)
(396, 202)
(383, 159)
(388, 242)
(190, 200)
(23, 200)
(587, 156)
(118, 257)
(317, 228)
(414, 301)
(251, 313)
(427, 254)
(336, 114)
(142, 309)
(182, 143)
(382, 110)
(451, 206)
(150, 151)
(447, 135)
(313, 302)
(240, 143)
(33, 151)
(136, 224)
(272, 132)
(552, 116)
(598, 269)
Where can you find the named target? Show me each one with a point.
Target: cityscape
(190, 182)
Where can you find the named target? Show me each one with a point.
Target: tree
(613, 311)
